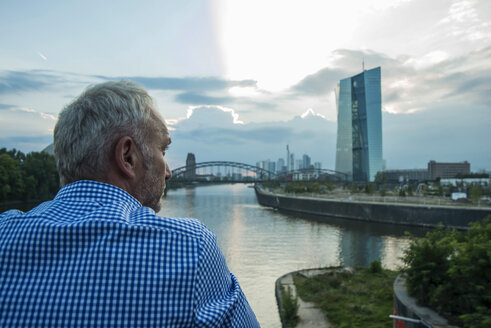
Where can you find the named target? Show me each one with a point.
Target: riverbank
(422, 215)
(351, 297)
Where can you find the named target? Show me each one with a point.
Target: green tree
(475, 193)
(381, 178)
(370, 188)
(11, 178)
(27, 177)
(450, 271)
(41, 170)
(410, 190)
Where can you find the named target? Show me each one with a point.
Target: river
(261, 244)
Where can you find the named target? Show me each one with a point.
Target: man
(98, 255)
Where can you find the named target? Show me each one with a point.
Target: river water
(261, 244)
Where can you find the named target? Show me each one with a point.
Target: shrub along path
(309, 316)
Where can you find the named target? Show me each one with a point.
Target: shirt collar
(89, 190)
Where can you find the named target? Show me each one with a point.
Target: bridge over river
(234, 172)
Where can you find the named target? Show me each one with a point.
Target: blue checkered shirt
(95, 257)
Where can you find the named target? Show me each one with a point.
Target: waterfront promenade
(344, 195)
(375, 209)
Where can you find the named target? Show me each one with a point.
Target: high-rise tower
(288, 158)
(359, 139)
(190, 166)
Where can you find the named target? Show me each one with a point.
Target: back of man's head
(88, 128)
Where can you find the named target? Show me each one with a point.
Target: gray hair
(88, 128)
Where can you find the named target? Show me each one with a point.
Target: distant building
(190, 167)
(267, 165)
(305, 161)
(237, 176)
(317, 165)
(280, 165)
(359, 136)
(406, 175)
(292, 162)
(288, 158)
(447, 170)
(465, 181)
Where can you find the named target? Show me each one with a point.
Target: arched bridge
(214, 170)
(225, 171)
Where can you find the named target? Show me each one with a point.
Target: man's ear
(126, 155)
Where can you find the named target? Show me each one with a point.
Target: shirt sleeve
(219, 300)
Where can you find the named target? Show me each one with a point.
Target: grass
(362, 299)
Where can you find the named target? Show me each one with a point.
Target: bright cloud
(310, 112)
(464, 21)
(41, 114)
(235, 116)
(428, 59)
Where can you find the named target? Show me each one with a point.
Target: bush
(450, 271)
(375, 266)
(290, 306)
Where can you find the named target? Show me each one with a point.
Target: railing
(419, 321)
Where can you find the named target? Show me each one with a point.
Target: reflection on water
(261, 244)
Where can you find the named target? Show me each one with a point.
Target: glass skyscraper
(359, 139)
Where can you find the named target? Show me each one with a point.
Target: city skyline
(204, 61)
(288, 163)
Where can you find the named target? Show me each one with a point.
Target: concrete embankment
(407, 307)
(404, 214)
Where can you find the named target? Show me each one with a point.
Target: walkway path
(310, 316)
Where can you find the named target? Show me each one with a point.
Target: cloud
(411, 84)
(210, 133)
(463, 21)
(244, 136)
(311, 112)
(212, 116)
(447, 133)
(346, 63)
(30, 110)
(186, 83)
(445, 101)
(322, 82)
(15, 81)
(196, 99)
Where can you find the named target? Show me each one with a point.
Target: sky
(239, 80)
